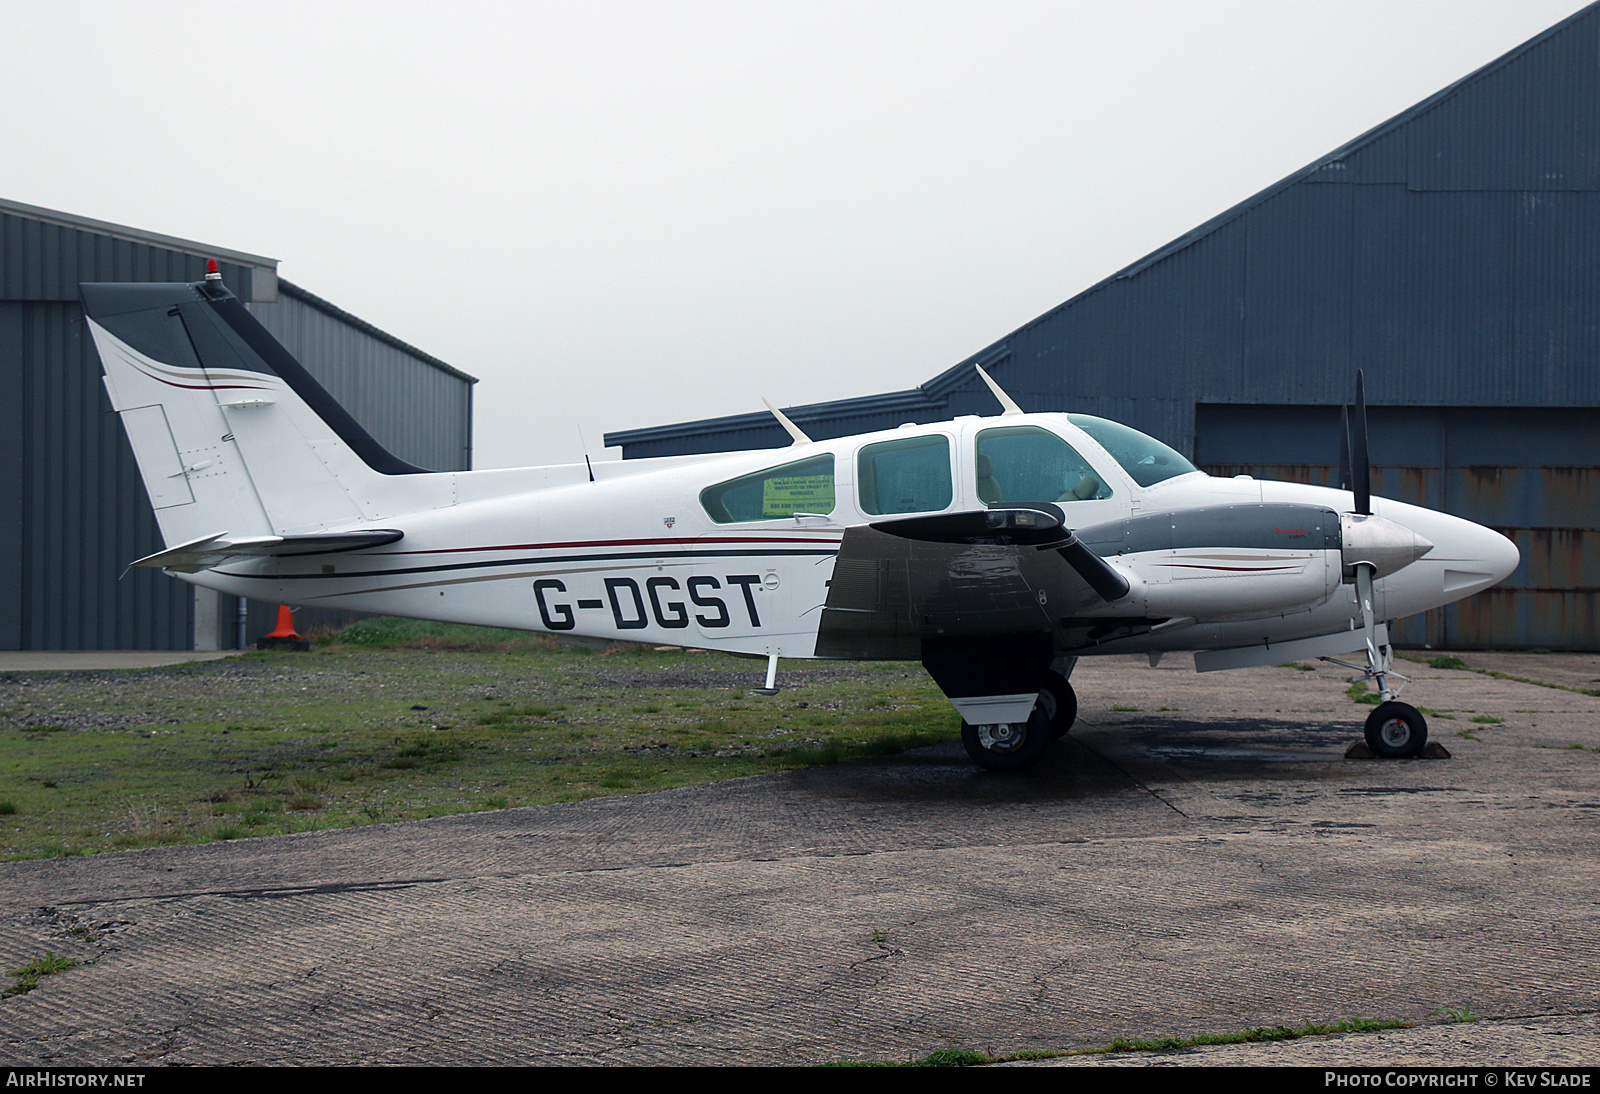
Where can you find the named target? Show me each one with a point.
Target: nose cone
(1479, 558)
(1466, 558)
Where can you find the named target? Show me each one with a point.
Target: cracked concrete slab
(1198, 856)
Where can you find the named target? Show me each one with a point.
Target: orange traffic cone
(284, 637)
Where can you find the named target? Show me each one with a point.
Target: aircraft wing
(990, 572)
(208, 551)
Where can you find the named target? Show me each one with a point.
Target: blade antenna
(1007, 404)
(1360, 470)
(584, 444)
(789, 427)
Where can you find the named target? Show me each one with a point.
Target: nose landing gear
(1396, 731)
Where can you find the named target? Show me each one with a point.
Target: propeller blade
(1360, 469)
(1344, 448)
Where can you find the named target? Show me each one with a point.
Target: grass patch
(367, 729)
(26, 978)
(961, 1058)
(1358, 693)
(390, 632)
(1487, 720)
(1457, 663)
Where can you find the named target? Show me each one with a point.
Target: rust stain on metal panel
(1413, 486)
(1314, 474)
(1480, 494)
(1558, 558)
(1521, 496)
(1557, 618)
(1570, 496)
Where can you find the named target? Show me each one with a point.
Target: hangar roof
(1502, 140)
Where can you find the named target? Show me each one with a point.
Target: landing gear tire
(1396, 731)
(1060, 704)
(1008, 746)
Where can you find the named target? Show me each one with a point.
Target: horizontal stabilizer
(208, 551)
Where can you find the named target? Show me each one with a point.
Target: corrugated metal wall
(73, 510)
(414, 405)
(1452, 252)
(1532, 474)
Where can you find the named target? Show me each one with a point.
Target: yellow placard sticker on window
(782, 497)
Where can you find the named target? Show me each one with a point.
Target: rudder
(229, 430)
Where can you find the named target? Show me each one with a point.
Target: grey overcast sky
(622, 214)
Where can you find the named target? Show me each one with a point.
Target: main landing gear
(1012, 746)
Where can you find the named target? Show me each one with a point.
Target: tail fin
(230, 431)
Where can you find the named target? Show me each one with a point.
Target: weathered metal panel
(1549, 511)
(1556, 559)
(1529, 618)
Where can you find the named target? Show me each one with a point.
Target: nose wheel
(1396, 731)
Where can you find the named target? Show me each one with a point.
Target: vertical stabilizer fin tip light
(788, 426)
(212, 285)
(1007, 403)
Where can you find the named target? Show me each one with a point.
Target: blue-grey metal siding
(73, 509)
(1453, 252)
(1531, 473)
(414, 405)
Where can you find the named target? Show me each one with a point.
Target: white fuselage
(635, 555)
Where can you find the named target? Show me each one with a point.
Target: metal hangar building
(73, 508)
(1453, 252)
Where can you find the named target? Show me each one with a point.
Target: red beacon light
(212, 286)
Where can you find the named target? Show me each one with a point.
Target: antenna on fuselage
(1007, 404)
(584, 444)
(789, 427)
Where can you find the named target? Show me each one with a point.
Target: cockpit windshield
(1146, 460)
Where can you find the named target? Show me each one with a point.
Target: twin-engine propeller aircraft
(996, 551)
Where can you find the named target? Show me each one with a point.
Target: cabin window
(1146, 460)
(803, 487)
(1024, 463)
(905, 476)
